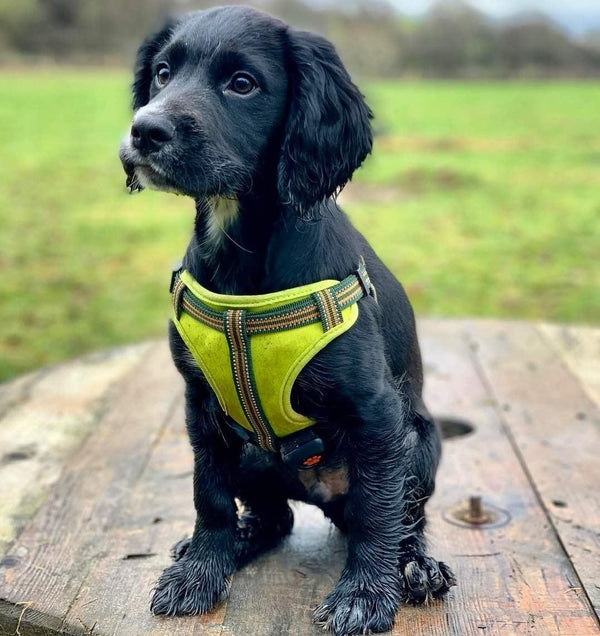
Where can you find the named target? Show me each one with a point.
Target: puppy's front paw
(356, 606)
(191, 586)
(180, 548)
(425, 578)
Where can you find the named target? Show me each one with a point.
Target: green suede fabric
(277, 357)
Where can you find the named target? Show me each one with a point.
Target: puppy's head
(230, 97)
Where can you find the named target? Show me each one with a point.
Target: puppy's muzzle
(150, 132)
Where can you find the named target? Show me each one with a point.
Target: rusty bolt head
(473, 513)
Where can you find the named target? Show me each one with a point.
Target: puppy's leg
(266, 518)
(369, 590)
(422, 577)
(200, 578)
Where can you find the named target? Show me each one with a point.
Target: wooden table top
(95, 486)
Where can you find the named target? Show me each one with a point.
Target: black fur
(281, 152)
(327, 131)
(143, 67)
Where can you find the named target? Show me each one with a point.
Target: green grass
(483, 198)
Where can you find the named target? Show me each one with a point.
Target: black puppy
(262, 126)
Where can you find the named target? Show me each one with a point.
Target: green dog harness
(251, 349)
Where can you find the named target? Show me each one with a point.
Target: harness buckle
(302, 450)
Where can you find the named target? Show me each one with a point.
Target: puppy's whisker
(217, 221)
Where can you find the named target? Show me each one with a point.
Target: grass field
(483, 198)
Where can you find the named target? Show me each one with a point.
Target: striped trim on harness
(329, 309)
(234, 322)
(325, 306)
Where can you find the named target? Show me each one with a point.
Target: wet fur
(364, 389)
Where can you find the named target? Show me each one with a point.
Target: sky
(578, 16)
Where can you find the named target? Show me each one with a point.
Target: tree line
(452, 40)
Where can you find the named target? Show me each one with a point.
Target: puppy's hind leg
(392, 469)
(266, 517)
(421, 576)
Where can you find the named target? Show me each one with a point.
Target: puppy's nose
(149, 133)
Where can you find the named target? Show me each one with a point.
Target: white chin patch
(223, 211)
(144, 176)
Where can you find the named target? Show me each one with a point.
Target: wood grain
(514, 579)
(157, 512)
(44, 417)
(47, 565)
(579, 347)
(556, 429)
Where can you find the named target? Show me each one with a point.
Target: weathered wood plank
(16, 390)
(44, 416)
(579, 347)
(513, 579)
(48, 564)
(115, 596)
(556, 429)
(127, 491)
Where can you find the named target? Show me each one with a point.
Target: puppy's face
(210, 93)
(231, 97)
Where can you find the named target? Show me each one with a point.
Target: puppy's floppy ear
(328, 132)
(143, 64)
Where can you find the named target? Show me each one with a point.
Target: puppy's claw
(424, 579)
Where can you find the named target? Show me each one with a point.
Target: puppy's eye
(163, 74)
(242, 84)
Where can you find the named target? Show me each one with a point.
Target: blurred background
(483, 193)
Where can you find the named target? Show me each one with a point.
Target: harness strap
(325, 306)
(234, 323)
(329, 309)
